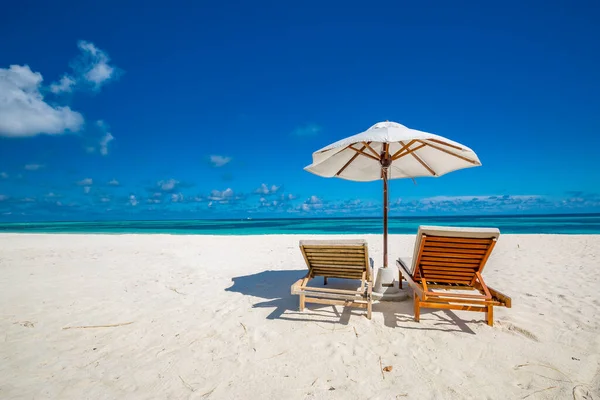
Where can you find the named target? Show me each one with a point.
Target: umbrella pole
(385, 218)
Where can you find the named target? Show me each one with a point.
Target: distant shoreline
(521, 224)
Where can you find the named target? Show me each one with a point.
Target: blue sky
(153, 110)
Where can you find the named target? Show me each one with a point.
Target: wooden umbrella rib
(361, 151)
(404, 147)
(451, 153)
(368, 145)
(423, 163)
(349, 161)
(409, 151)
(445, 144)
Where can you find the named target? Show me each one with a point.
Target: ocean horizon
(508, 224)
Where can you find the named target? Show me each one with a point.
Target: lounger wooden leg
(490, 315)
(325, 280)
(400, 279)
(417, 309)
(369, 299)
(302, 302)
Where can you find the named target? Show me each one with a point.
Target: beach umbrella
(389, 150)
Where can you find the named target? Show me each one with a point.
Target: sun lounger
(347, 259)
(445, 270)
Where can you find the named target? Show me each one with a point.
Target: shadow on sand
(275, 287)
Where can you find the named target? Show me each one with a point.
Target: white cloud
(105, 200)
(114, 182)
(219, 161)
(3, 175)
(34, 167)
(168, 185)
(312, 203)
(177, 197)
(93, 65)
(107, 138)
(3, 197)
(221, 196)
(266, 190)
(153, 201)
(473, 204)
(86, 182)
(307, 130)
(52, 195)
(23, 111)
(314, 200)
(86, 189)
(102, 140)
(133, 200)
(65, 85)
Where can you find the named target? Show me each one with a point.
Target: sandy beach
(212, 317)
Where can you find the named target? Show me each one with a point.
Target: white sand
(213, 318)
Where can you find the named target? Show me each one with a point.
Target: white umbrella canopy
(358, 157)
(389, 150)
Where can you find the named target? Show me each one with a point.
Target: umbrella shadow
(275, 286)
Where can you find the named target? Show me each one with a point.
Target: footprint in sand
(509, 327)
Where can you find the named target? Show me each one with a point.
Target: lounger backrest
(336, 258)
(452, 255)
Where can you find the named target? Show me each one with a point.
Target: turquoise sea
(563, 224)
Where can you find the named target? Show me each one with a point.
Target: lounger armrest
(501, 297)
(403, 264)
(297, 287)
(418, 289)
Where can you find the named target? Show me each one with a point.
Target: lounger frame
(347, 259)
(444, 267)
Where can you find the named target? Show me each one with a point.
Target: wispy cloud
(95, 64)
(133, 200)
(266, 190)
(3, 175)
(307, 130)
(64, 85)
(91, 69)
(33, 167)
(474, 204)
(176, 198)
(100, 140)
(86, 182)
(312, 203)
(225, 195)
(167, 185)
(219, 161)
(113, 182)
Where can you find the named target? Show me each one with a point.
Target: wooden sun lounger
(348, 259)
(452, 260)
